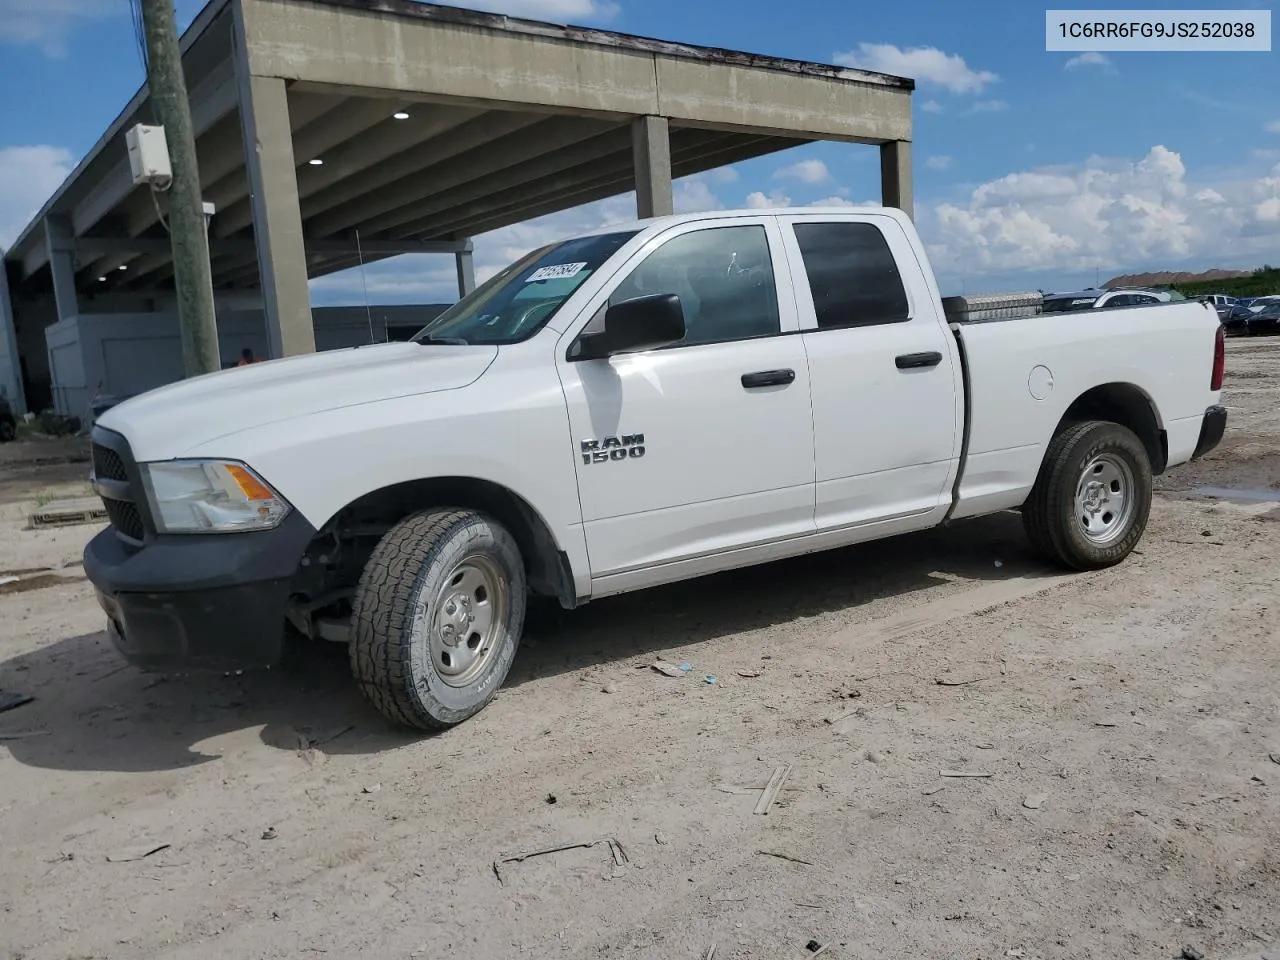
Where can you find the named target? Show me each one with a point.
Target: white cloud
(758, 200)
(694, 195)
(1117, 214)
(555, 10)
(843, 201)
(939, 161)
(1272, 126)
(810, 171)
(928, 65)
(721, 175)
(931, 106)
(1100, 60)
(28, 175)
(47, 23)
(988, 106)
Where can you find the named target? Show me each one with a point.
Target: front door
(706, 446)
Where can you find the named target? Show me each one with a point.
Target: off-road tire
(395, 611)
(1050, 514)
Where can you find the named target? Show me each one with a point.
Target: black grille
(107, 464)
(124, 517)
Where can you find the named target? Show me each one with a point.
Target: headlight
(210, 496)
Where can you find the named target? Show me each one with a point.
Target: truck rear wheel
(437, 617)
(1090, 503)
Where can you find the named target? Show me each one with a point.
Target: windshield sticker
(561, 271)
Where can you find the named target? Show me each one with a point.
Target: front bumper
(1212, 428)
(193, 602)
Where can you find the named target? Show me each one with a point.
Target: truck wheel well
(1127, 405)
(356, 528)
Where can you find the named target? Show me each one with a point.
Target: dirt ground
(1119, 733)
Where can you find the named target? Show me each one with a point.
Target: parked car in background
(1221, 303)
(1236, 322)
(1093, 299)
(1266, 320)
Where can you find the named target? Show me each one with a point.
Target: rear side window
(852, 275)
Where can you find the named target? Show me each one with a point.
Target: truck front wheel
(1090, 503)
(437, 617)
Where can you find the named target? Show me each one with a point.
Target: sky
(1032, 169)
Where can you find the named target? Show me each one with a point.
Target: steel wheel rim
(467, 622)
(1104, 501)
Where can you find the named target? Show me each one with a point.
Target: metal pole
(191, 272)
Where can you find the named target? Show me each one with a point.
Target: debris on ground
(749, 674)
(269, 833)
(136, 853)
(1035, 801)
(620, 858)
(974, 774)
(1274, 757)
(815, 948)
(609, 688)
(667, 669)
(9, 701)
(23, 734)
(307, 740)
(931, 792)
(1191, 953)
(784, 856)
(770, 793)
(371, 788)
(951, 682)
(551, 798)
(711, 679)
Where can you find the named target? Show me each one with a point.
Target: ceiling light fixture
(316, 162)
(123, 266)
(102, 279)
(400, 115)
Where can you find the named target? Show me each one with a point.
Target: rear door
(690, 451)
(886, 385)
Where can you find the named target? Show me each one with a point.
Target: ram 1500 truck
(647, 403)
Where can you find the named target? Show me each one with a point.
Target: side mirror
(640, 324)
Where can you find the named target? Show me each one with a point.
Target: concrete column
(651, 150)
(10, 364)
(466, 272)
(895, 175)
(60, 244)
(277, 219)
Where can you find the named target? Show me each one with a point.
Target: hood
(165, 422)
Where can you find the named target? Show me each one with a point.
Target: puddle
(1252, 495)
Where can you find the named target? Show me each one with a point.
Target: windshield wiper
(449, 341)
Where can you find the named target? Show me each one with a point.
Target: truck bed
(1025, 373)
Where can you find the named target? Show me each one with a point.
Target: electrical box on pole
(149, 156)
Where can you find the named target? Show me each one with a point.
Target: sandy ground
(1120, 732)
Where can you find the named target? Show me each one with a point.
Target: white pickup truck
(651, 402)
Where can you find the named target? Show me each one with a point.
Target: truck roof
(679, 218)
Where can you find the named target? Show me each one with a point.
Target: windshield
(517, 302)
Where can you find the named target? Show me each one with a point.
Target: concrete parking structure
(334, 132)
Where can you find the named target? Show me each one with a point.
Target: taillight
(1219, 361)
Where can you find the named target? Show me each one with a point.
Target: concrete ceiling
(451, 167)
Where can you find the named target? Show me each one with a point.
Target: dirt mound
(1166, 277)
